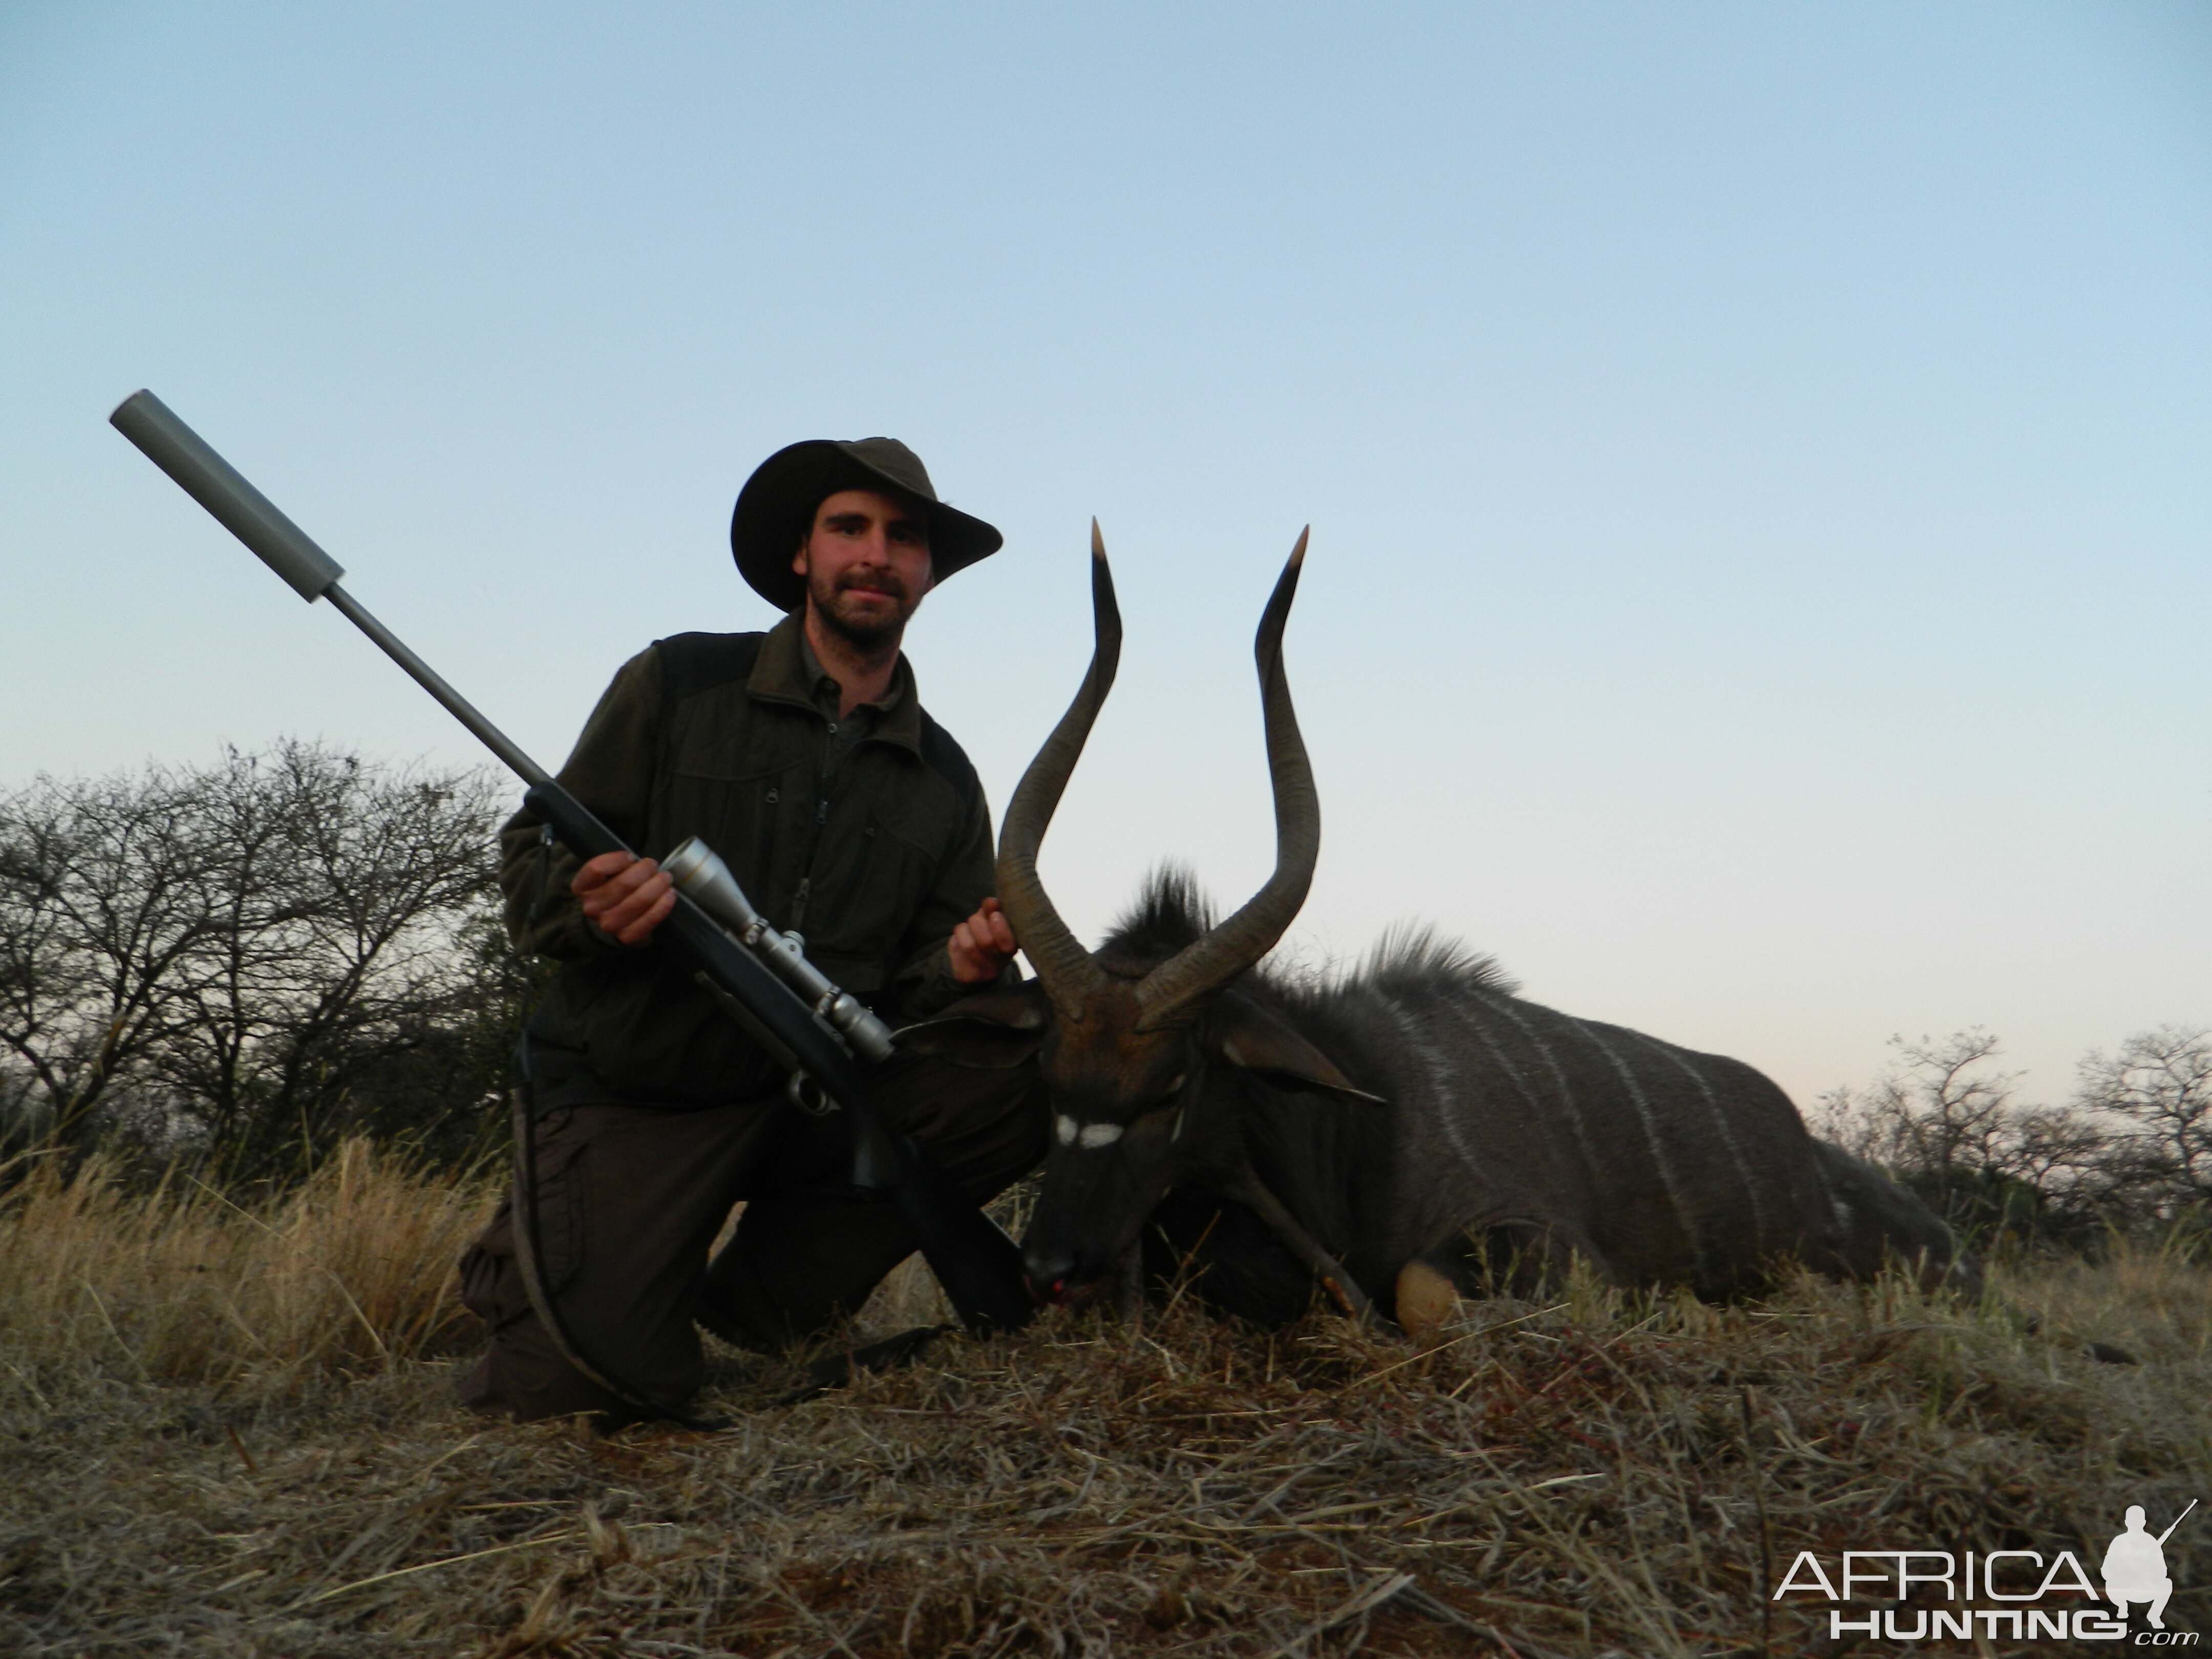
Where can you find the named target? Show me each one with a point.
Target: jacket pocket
(748, 817)
(870, 882)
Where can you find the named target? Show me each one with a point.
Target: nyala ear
(1247, 1035)
(991, 1030)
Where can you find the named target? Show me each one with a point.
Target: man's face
(867, 565)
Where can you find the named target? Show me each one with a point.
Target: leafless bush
(2159, 1085)
(1941, 1105)
(248, 960)
(2132, 1150)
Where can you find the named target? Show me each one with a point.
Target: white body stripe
(1443, 1101)
(1505, 1005)
(1751, 1185)
(1654, 1142)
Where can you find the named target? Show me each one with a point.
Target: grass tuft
(352, 1271)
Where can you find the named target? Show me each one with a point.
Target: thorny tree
(249, 958)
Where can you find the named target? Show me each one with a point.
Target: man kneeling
(803, 756)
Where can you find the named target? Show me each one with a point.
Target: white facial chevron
(1089, 1136)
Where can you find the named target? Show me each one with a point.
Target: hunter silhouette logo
(2035, 1599)
(2135, 1566)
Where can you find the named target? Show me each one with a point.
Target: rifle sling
(529, 1260)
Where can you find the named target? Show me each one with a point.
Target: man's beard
(866, 632)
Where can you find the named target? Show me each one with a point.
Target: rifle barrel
(435, 683)
(2178, 1520)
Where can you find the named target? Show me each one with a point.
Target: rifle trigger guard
(809, 1096)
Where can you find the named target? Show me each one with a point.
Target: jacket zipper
(813, 851)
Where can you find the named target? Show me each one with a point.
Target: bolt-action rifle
(761, 976)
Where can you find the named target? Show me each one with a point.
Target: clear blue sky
(1757, 454)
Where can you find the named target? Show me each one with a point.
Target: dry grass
(354, 1268)
(1593, 1476)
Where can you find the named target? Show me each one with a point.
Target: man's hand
(627, 895)
(981, 946)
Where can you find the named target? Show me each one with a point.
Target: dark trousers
(630, 1199)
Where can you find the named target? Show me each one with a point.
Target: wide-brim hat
(775, 510)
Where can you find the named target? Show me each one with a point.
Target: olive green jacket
(718, 735)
